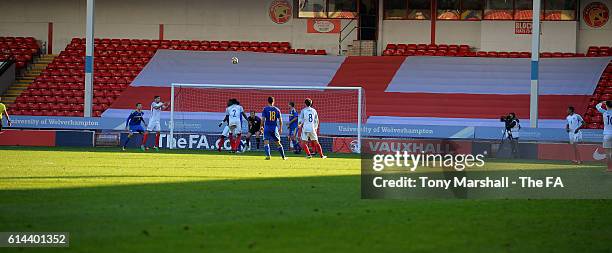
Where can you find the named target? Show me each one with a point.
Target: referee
(3, 111)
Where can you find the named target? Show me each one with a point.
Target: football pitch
(189, 201)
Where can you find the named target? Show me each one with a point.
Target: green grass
(114, 201)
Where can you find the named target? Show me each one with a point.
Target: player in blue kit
(135, 124)
(293, 128)
(272, 128)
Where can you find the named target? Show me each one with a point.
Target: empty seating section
(603, 92)
(21, 49)
(599, 51)
(428, 50)
(59, 90)
(466, 51)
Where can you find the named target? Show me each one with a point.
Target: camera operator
(512, 127)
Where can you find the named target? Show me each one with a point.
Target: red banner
(27, 138)
(390, 146)
(587, 152)
(344, 145)
(324, 26)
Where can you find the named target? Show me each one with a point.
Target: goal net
(201, 108)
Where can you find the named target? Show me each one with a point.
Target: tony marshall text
(487, 182)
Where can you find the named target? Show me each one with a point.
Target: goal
(341, 109)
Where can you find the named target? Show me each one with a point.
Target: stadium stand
(21, 49)
(603, 92)
(398, 89)
(59, 90)
(466, 51)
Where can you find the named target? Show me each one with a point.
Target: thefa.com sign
(192, 141)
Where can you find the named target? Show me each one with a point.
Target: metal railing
(342, 38)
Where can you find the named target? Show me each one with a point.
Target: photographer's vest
(515, 129)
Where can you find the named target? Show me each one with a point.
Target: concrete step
(39, 65)
(10, 93)
(18, 88)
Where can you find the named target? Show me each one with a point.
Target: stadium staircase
(23, 82)
(59, 89)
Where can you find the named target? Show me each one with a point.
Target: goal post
(339, 108)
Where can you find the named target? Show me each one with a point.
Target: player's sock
(127, 140)
(156, 139)
(257, 141)
(144, 139)
(248, 142)
(238, 141)
(231, 139)
(267, 149)
(317, 146)
(296, 145)
(306, 149)
(310, 145)
(221, 142)
(578, 155)
(282, 151)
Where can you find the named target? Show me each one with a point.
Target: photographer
(512, 127)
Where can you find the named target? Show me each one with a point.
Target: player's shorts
(0, 125)
(292, 131)
(271, 135)
(575, 138)
(225, 132)
(254, 130)
(137, 129)
(607, 141)
(235, 129)
(154, 126)
(309, 136)
(235, 123)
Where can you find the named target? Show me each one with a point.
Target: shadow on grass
(162, 151)
(306, 214)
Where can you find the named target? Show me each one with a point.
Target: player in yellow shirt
(3, 111)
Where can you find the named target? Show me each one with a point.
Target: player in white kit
(309, 122)
(157, 106)
(607, 133)
(573, 126)
(234, 114)
(226, 130)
